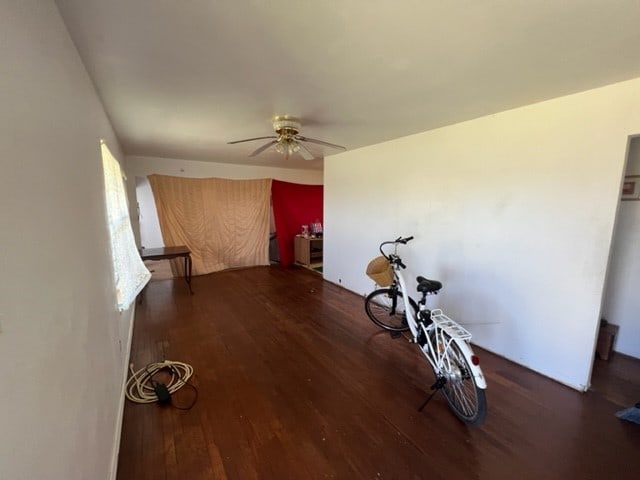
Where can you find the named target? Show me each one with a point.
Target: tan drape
(225, 223)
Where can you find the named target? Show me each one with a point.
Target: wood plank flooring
(296, 383)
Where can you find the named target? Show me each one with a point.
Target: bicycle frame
(436, 344)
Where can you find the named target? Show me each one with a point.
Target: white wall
(143, 166)
(622, 296)
(62, 343)
(140, 167)
(148, 221)
(514, 212)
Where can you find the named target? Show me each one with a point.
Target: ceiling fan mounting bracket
(286, 125)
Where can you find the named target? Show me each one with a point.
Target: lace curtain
(130, 274)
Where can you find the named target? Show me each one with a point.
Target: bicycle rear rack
(450, 327)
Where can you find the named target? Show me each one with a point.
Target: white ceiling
(180, 79)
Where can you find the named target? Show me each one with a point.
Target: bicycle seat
(428, 286)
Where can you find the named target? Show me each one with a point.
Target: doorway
(621, 303)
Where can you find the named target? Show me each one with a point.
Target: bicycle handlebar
(404, 240)
(395, 258)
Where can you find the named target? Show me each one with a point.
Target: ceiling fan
(287, 139)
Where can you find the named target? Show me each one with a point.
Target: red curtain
(294, 205)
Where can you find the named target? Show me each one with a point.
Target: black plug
(162, 392)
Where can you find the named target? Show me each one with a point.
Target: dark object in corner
(606, 337)
(631, 414)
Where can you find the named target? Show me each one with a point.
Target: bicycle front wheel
(467, 401)
(386, 308)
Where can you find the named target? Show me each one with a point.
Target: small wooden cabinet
(307, 250)
(606, 336)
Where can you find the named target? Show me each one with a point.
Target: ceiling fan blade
(319, 142)
(263, 148)
(305, 153)
(250, 139)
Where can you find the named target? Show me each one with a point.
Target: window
(129, 272)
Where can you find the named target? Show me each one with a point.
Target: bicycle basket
(379, 270)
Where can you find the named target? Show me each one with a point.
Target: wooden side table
(307, 250)
(167, 253)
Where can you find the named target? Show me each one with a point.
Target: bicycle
(443, 341)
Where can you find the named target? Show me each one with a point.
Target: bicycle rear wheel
(386, 308)
(467, 401)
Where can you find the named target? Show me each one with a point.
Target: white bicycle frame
(436, 347)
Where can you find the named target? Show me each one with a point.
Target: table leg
(187, 271)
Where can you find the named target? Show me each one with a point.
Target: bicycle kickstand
(435, 387)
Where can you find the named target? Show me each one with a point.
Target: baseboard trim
(113, 471)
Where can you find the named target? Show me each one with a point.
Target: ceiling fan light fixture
(280, 148)
(287, 146)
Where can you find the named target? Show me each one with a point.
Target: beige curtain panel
(225, 223)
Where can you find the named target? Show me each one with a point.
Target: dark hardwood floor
(296, 383)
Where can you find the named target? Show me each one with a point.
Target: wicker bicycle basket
(379, 270)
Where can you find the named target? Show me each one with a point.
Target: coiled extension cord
(141, 388)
